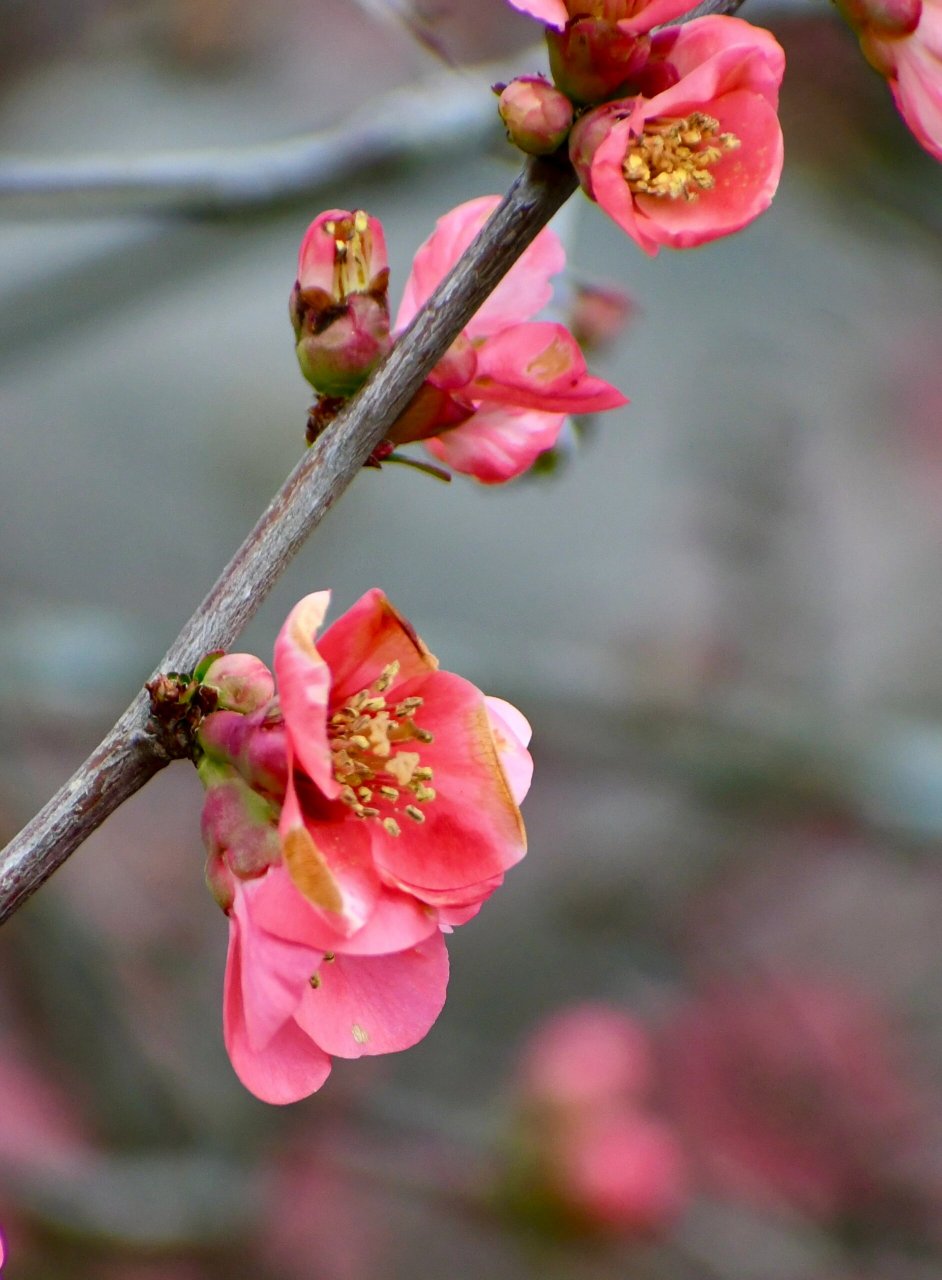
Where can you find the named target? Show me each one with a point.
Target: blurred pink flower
(586, 1055)
(701, 158)
(902, 39)
(587, 1143)
(508, 382)
(628, 14)
(347, 826)
(793, 1093)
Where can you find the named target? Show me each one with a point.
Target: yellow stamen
(673, 157)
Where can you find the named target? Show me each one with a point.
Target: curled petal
(304, 689)
(498, 443)
(289, 1066)
(368, 638)
(327, 856)
(512, 734)
(376, 1004)
(524, 291)
(540, 366)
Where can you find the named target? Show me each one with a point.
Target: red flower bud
(538, 117)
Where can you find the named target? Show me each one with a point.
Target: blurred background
(699, 1032)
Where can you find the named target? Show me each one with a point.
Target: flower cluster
(678, 139)
(350, 821)
(501, 393)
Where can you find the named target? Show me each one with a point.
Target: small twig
(129, 755)
(413, 121)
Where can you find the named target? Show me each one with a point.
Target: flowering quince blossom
(350, 820)
(702, 157)
(501, 394)
(902, 39)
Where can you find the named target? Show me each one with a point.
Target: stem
(129, 755)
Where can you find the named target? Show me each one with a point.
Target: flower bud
(255, 745)
(537, 116)
(240, 829)
(339, 308)
(598, 315)
(587, 134)
(241, 682)
(591, 59)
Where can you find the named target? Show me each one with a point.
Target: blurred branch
(449, 108)
(130, 755)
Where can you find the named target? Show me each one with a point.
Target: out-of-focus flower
(902, 39)
(509, 381)
(588, 1154)
(350, 821)
(701, 158)
(537, 116)
(599, 315)
(338, 306)
(793, 1093)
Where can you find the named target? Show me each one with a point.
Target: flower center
(353, 250)
(673, 157)
(366, 738)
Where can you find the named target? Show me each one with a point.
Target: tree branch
(129, 755)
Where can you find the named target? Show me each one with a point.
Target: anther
(415, 814)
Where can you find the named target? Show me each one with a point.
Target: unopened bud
(241, 682)
(537, 116)
(239, 826)
(339, 308)
(255, 745)
(599, 315)
(592, 58)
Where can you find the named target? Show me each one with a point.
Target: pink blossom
(586, 1055)
(699, 159)
(368, 808)
(796, 1093)
(622, 1171)
(627, 14)
(902, 39)
(586, 1135)
(512, 379)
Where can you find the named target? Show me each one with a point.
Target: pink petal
(472, 829)
(398, 921)
(716, 54)
(326, 850)
(524, 291)
(273, 973)
(377, 1004)
(304, 689)
(917, 91)
(512, 733)
(653, 14)
(365, 640)
(498, 443)
(539, 365)
(289, 1067)
(553, 12)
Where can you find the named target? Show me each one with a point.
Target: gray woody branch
(129, 755)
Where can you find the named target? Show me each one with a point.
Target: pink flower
(699, 159)
(627, 14)
(588, 1147)
(795, 1093)
(902, 39)
(508, 381)
(350, 821)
